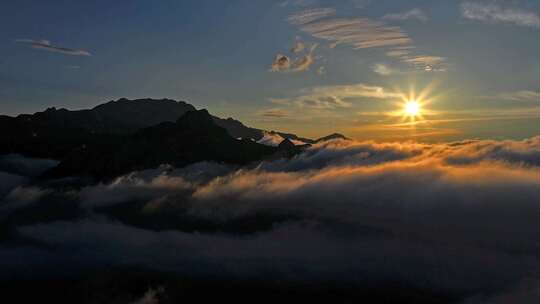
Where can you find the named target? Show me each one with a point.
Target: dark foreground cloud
(20, 165)
(459, 218)
(9, 182)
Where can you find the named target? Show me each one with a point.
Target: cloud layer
(456, 217)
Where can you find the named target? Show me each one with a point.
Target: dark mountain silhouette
(193, 138)
(286, 144)
(237, 129)
(54, 133)
(332, 137)
(126, 135)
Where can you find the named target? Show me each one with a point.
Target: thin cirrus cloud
(274, 113)
(365, 33)
(47, 46)
(494, 13)
(524, 95)
(336, 96)
(414, 14)
(361, 33)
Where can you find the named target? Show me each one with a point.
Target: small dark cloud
(281, 63)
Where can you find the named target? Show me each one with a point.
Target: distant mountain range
(124, 135)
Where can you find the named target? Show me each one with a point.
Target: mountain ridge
(194, 137)
(54, 133)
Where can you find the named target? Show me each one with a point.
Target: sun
(412, 108)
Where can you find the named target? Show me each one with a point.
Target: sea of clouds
(461, 217)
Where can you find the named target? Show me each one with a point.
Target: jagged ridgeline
(124, 135)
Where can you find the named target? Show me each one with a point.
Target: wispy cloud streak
(359, 32)
(414, 14)
(493, 13)
(47, 46)
(365, 33)
(338, 96)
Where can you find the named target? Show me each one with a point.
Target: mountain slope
(54, 133)
(193, 138)
(332, 137)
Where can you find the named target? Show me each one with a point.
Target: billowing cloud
(414, 14)
(274, 139)
(8, 182)
(149, 184)
(47, 46)
(21, 197)
(404, 212)
(151, 296)
(494, 13)
(15, 171)
(25, 166)
(458, 218)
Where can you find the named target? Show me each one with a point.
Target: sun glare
(412, 108)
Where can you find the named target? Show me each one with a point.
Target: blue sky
(354, 59)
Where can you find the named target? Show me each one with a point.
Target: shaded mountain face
(54, 133)
(237, 129)
(193, 138)
(126, 135)
(130, 115)
(332, 137)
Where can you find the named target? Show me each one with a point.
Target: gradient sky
(306, 66)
